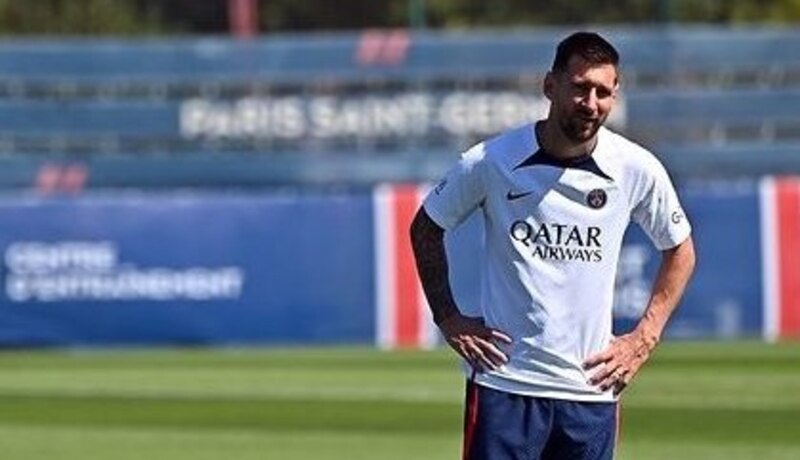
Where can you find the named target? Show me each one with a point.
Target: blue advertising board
(309, 268)
(222, 269)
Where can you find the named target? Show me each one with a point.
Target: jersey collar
(584, 162)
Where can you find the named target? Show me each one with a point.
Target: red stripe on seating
(408, 332)
(395, 48)
(788, 209)
(369, 47)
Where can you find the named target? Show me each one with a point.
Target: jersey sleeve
(659, 212)
(460, 192)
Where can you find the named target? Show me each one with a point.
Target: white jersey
(553, 232)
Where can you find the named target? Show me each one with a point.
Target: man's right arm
(467, 336)
(427, 240)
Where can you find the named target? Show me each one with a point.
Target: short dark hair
(591, 47)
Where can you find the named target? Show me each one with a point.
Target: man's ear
(548, 87)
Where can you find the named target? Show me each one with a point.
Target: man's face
(581, 97)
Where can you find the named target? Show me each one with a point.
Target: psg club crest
(596, 199)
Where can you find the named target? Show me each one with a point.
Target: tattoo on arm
(427, 240)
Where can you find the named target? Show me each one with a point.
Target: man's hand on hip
(619, 362)
(475, 342)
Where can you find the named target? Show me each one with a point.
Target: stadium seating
(377, 105)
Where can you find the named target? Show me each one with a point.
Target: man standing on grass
(556, 197)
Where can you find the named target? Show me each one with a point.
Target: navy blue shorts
(506, 426)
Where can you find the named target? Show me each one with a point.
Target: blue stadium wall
(332, 268)
(197, 269)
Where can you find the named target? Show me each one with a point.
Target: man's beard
(574, 131)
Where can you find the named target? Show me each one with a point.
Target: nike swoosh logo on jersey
(511, 196)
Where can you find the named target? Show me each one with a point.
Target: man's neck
(555, 143)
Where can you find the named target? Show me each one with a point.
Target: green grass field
(726, 401)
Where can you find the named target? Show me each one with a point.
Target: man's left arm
(621, 361)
